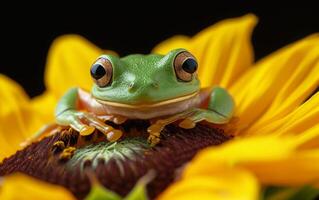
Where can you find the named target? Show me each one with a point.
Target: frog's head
(145, 79)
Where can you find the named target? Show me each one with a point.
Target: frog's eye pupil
(190, 65)
(97, 71)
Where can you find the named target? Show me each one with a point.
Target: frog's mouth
(149, 105)
(149, 110)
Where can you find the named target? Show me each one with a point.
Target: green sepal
(279, 193)
(139, 192)
(98, 192)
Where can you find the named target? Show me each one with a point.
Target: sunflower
(268, 151)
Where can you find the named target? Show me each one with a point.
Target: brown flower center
(64, 158)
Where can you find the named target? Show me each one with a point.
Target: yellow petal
(297, 169)
(16, 117)
(278, 84)
(274, 160)
(298, 121)
(44, 105)
(309, 139)
(224, 50)
(22, 187)
(175, 42)
(225, 185)
(69, 60)
(238, 151)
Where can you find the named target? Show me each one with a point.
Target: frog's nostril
(155, 84)
(131, 87)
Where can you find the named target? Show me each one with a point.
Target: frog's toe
(114, 135)
(110, 133)
(153, 140)
(81, 127)
(87, 130)
(97, 123)
(187, 123)
(119, 119)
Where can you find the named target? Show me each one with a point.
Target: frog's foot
(189, 119)
(94, 122)
(86, 123)
(153, 139)
(198, 115)
(155, 129)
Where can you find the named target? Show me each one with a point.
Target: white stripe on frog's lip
(148, 105)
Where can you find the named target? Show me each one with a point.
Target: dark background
(26, 34)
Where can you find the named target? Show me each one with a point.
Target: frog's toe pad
(87, 130)
(153, 140)
(114, 135)
(187, 124)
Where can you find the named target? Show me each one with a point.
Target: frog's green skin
(144, 87)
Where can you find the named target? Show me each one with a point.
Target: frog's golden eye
(185, 66)
(101, 72)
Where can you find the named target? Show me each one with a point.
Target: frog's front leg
(220, 110)
(68, 114)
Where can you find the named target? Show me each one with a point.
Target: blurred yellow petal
(22, 187)
(44, 105)
(21, 117)
(238, 151)
(297, 169)
(16, 117)
(176, 42)
(224, 185)
(274, 160)
(278, 84)
(69, 60)
(224, 50)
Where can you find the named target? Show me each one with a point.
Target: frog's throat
(149, 105)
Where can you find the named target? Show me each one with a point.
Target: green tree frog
(160, 88)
